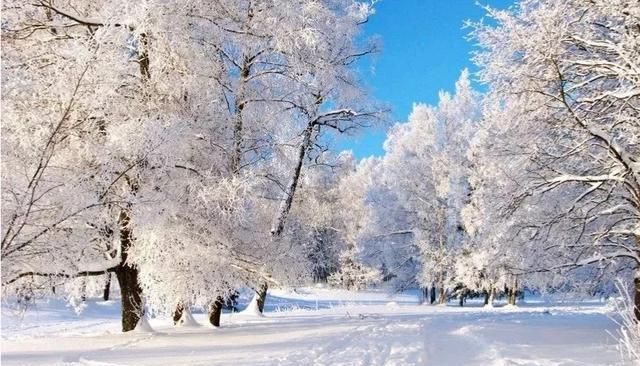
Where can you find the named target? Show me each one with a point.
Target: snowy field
(322, 327)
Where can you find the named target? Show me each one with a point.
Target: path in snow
(322, 327)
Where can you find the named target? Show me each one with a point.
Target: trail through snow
(322, 327)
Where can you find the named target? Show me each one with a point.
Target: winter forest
(173, 193)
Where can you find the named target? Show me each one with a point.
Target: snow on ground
(322, 327)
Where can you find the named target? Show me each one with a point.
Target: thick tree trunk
(131, 296)
(215, 310)
(486, 297)
(511, 296)
(127, 275)
(262, 296)
(130, 291)
(177, 313)
(107, 288)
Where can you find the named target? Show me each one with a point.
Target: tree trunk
(143, 57)
(236, 156)
(513, 292)
(636, 298)
(486, 297)
(285, 206)
(83, 295)
(130, 291)
(441, 296)
(107, 288)
(127, 275)
(215, 310)
(432, 295)
(131, 296)
(262, 296)
(461, 299)
(511, 296)
(177, 313)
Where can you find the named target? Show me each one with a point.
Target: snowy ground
(322, 327)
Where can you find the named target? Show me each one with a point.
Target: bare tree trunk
(636, 297)
(513, 293)
(278, 225)
(178, 312)
(238, 124)
(131, 297)
(486, 297)
(143, 57)
(83, 295)
(441, 295)
(215, 310)
(262, 296)
(130, 291)
(511, 296)
(107, 288)
(432, 295)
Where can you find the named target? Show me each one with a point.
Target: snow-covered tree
(566, 74)
(98, 72)
(423, 174)
(125, 120)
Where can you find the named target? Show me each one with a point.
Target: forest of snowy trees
(183, 150)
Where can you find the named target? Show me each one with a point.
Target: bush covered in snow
(352, 274)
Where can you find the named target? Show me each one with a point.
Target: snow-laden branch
(59, 275)
(78, 19)
(558, 180)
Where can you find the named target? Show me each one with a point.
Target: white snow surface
(316, 326)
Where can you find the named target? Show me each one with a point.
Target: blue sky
(423, 51)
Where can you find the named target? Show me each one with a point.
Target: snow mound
(187, 320)
(252, 309)
(465, 330)
(143, 326)
(392, 305)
